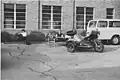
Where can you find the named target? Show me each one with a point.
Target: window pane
(46, 7)
(92, 24)
(114, 24)
(89, 10)
(46, 18)
(20, 14)
(46, 23)
(9, 14)
(20, 10)
(80, 10)
(9, 26)
(102, 24)
(109, 11)
(8, 7)
(46, 27)
(89, 18)
(56, 9)
(109, 17)
(9, 22)
(56, 27)
(20, 6)
(80, 17)
(56, 15)
(46, 11)
(46, 15)
(20, 18)
(56, 23)
(20, 26)
(8, 18)
(56, 19)
(20, 22)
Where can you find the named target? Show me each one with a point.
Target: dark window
(114, 24)
(83, 15)
(109, 13)
(10, 18)
(102, 24)
(51, 17)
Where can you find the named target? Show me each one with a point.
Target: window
(51, 17)
(114, 24)
(83, 15)
(14, 16)
(20, 15)
(9, 16)
(102, 24)
(92, 24)
(109, 13)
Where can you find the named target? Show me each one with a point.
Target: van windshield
(114, 24)
(92, 24)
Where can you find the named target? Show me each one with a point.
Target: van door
(102, 27)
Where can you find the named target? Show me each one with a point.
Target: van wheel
(115, 40)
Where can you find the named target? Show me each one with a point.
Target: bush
(36, 36)
(6, 37)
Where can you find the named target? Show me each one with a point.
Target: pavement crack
(21, 53)
(43, 73)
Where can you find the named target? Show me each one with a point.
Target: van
(109, 29)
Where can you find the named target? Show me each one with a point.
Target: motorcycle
(88, 42)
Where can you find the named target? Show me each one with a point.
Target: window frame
(15, 17)
(108, 15)
(52, 17)
(85, 15)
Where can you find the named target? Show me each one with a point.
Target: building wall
(67, 11)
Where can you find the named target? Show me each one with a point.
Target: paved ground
(43, 62)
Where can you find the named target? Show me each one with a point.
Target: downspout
(38, 14)
(74, 15)
(1, 14)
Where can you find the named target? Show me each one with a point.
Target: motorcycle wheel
(99, 47)
(70, 47)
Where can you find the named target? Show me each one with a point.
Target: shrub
(6, 37)
(36, 36)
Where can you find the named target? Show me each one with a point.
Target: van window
(92, 24)
(102, 24)
(114, 24)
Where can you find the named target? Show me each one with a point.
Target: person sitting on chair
(22, 34)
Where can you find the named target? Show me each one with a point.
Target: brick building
(45, 15)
